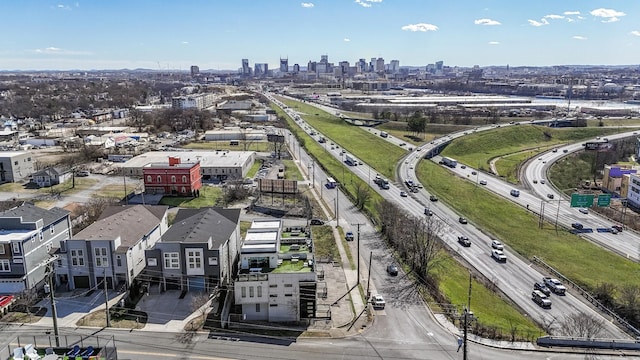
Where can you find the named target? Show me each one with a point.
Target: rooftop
(206, 158)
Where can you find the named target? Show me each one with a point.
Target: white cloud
(535, 23)
(487, 22)
(58, 51)
(571, 13)
(185, 43)
(635, 33)
(578, 37)
(63, 7)
(307, 5)
(367, 3)
(346, 39)
(553, 16)
(494, 43)
(420, 27)
(608, 15)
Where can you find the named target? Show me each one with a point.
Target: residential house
(15, 166)
(52, 176)
(198, 251)
(276, 279)
(113, 247)
(28, 235)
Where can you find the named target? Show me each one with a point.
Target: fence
(105, 345)
(590, 298)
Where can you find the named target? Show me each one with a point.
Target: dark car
(392, 269)
(542, 287)
(577, 226)
(617, 227)
(316, 222)
(462, 220)
(550, 196)
(349, 236)
(464, 241)
(433, 198)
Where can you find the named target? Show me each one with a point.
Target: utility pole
(337, 205)
(466, 320)
(106, 299)
(358, 254)
(52, 298)
(369, 276)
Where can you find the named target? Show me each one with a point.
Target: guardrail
(590, 298)
(550, 341)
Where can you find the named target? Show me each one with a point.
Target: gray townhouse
(198, 251)
(28, 236)
(113, 247)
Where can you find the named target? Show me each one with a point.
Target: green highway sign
(604, 200)
(582, 200)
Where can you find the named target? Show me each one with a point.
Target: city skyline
(160, 35)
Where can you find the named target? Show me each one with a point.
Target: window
(159, 179)
(273, 305)
(288, 295)
(288, 285)
(41, 236)
(259, 291)
(173, 178)
(171, 260)
(5, 266)
(77, 257)
(59, 262)
(273, 295)
(213, 260)
(273, 285)
(1, 249)
(119, 260)
(251, 291)
(101, 258)
(184, 179)
(53, 229)
(152, 262)
(257, 308)
(15, 163)
(149, 179)
(194, 259)
(16, 247)
(243, 290)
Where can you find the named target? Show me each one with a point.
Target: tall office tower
(344, 67)
(324, 59)
(439, 66)
(284, 65)
(296, 68)
(246, 70)
(195, 70)
(372, 65)
(380, 65)
(311, 66)
(361, 66)
(394, 66)
(261, 69)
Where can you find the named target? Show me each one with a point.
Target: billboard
(275, 138)
(599, 146)
(277, 186)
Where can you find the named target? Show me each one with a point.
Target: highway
(516, 277)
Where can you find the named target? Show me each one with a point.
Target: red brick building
(172, 178)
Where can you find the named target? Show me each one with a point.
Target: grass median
(579, 260)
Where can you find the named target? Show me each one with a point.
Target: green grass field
(579, 260)
(291, 171)
(323, 242)
(375, 151)
(209, 196)
(478, 149)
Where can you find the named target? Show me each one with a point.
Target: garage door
(196, 283)
(81, 282)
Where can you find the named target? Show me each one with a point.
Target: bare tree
(363, 195)
(198, 304)
(549, 326)
(581, 325)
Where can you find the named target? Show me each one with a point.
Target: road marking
(171, 355)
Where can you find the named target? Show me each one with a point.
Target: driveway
(166, 311)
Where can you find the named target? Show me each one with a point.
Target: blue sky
(217, 34)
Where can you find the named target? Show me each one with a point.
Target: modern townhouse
(198, 251)
(28, 236)
(112, 248)
(276, 279)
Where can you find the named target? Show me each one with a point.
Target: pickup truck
(464, 241)
(554, 285)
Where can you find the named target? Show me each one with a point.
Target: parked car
(462, 220)
(464, 241)
(316, 222)
(392, 269)
(498, 256)
(82, 173)
(540, 286)
(349, 236)
(497, 245)
(377, 301)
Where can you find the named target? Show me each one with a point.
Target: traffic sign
(604, 200)
(582, 200)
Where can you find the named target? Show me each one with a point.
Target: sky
(217, 34)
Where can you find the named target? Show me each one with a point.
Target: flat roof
(258, 248)
(207, 159)
(6, 236)
(265, 224)
(261, 236)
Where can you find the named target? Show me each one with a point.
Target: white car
(483, 182)
(377, 301)
(497, 245)
(584, 210)
(499, 256)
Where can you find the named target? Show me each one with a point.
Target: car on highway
(463, 166)
(474, 173)
(316, 222)
(577, 226)
(433, 198)
(428, 212)
(617, 227)
(462, 220)
(349, 236)
(499, 256)
(584, 210)
(554, 285)
(515, 193)
(497, 245)
(392, 269)
(542, 181)
(540, 286)
(377, 301)
(541, 299)
(483, 182)
(464, 241)
(403, 194)
(550, 196)
(565, 151)
(535, 181)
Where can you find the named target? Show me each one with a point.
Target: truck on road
(450, 162)
(554, 285)
(384, 134)
(350, 160)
